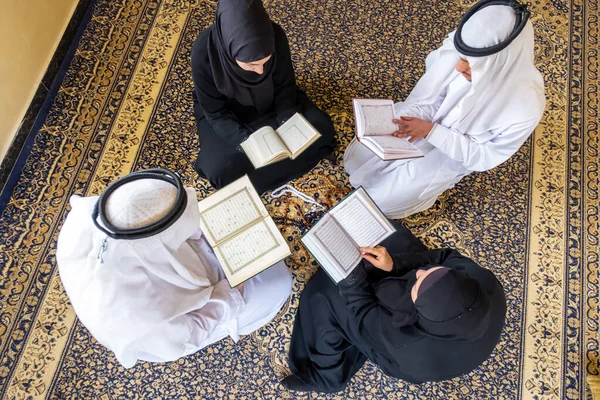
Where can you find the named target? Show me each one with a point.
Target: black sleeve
(359, 295)
(213, 103)
(405, 262)
(285, 99)
(362, 305)
(360, 298)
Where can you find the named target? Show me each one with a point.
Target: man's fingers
(404, 127)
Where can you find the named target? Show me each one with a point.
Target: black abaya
(338, 328)
(223, 123)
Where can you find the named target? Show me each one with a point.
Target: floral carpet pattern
(125, 104)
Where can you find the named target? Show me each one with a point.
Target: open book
(241, 232)
(374, 128)
(266, 146)
(355, 222)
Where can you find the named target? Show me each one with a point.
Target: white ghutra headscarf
(506, 86)
(133, 294)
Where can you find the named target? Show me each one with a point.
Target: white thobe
(161, 298)
(227, 313)
(404, 187)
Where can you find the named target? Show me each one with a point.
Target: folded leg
(321, 357)
(264, 294)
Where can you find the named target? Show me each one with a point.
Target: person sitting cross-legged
(421, 315)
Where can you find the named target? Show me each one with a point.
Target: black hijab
(243, 31)
(454, 307)
(394, 294)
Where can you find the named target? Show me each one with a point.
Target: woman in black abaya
(244, 80)
(421, 315)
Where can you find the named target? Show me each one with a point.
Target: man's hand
(240, 287)
(379, 257)
(414, 127)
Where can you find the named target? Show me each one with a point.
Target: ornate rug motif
(126, 104)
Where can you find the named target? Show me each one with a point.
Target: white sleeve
(217, 318)
(190, 332)
(426, 112)
(477, 156)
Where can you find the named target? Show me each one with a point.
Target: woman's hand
(414, 127)
(379, 257)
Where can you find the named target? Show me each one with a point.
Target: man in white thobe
(465, 114)
(160, 297)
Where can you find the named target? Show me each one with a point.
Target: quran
(335, 240)
(266, 145)
(243, 236)
(374, 128)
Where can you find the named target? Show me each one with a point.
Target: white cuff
(239, 300)
(437, 135)
(239, 303)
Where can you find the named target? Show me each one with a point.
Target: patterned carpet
(126, 104)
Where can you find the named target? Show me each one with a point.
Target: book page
(264, 145)
(362, 220)
(322, 255)
(244, 237)
(230, 210)
(251, 251)
(391, 143)
(337, 243)
(297, 133)
(377, 116)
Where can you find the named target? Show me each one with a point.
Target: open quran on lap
(267, 145)
(374, 128)
(244, 237)
(335, 240)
